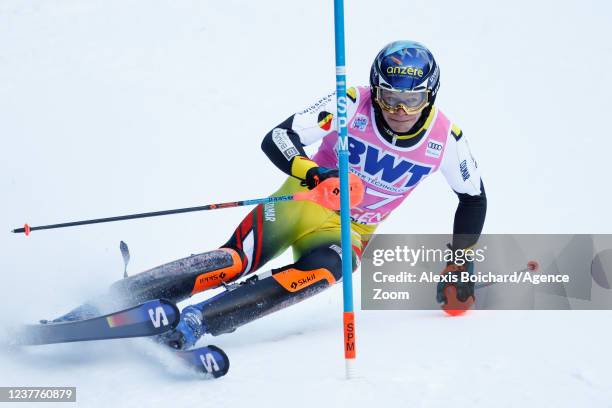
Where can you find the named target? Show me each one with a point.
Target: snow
(112, 107)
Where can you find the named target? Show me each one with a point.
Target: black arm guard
(469, 218)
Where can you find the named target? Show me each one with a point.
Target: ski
(209, 360)
(147, 319)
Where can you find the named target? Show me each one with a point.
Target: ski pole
(532, 266)
(324, 194)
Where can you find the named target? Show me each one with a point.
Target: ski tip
(210, 361)
(226, 363)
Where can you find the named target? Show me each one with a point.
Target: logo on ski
(210, 360)
(209, 363)
(158, 317)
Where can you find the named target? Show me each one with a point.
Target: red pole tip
(533, 265)
(26, 228)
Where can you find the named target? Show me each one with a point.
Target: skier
(397, 138)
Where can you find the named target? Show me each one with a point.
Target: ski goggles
(409, 101)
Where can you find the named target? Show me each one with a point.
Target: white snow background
(112, 107)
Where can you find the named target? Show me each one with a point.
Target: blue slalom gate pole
(343, 169)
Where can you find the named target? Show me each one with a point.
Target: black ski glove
(462, 290)
(456, 295)
(316, 175)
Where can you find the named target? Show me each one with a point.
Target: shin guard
(257, 297)
(180, 279)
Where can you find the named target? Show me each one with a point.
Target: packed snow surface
(112, 107)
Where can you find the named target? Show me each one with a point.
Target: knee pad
(328, 257)
(226, 265)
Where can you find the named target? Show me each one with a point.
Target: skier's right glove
(324, 184)
(316, 175)
(310, 173)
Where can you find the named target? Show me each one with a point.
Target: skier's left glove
(454, 293)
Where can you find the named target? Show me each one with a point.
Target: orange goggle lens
(409, 101)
